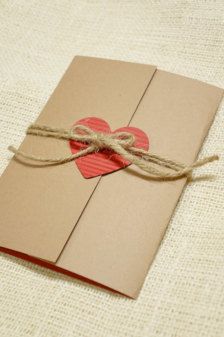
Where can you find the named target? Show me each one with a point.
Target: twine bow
(121, 143)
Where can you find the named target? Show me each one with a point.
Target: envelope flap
(40, 206)
(116, 247)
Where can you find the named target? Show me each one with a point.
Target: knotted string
(121, 143)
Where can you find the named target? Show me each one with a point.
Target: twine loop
(121, 143)
(101, 140)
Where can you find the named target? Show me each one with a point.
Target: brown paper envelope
(39, 207)
(120, 218)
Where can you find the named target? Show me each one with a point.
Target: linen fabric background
(183, 294)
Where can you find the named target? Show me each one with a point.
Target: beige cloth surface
(183, 295)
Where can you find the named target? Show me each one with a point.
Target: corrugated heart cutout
(104, 161)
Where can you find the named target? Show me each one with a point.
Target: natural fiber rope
(120, 143)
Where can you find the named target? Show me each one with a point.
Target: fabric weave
(183, 295)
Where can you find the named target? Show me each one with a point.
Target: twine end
(215, 157)
(12, 149)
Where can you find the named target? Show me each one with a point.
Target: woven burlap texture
(183, 295)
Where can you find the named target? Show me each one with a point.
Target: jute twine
(121, 143)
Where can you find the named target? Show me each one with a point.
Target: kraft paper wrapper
(105, 229)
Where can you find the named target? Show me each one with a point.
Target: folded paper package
(107, 229)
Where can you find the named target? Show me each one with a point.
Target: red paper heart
(104, 161)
